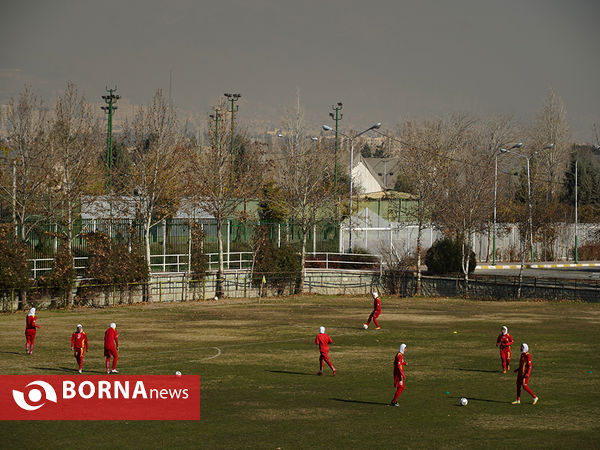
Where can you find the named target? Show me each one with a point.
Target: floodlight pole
(110, 101)
(337, 117)
(234, 108)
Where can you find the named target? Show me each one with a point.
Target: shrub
(281, 267)
(14, 269)
(445, 256)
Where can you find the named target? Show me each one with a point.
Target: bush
(14, 269)
(281, 267)
(445, 257)
(62, 278)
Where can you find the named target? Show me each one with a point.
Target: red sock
(528, 390)
(375, 322)
(398, 392)
(114, 365)
(107, 364)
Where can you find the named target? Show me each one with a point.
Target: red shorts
(397, 381)
(108, 352)
(30, 334)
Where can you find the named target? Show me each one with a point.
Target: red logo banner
(98, 397)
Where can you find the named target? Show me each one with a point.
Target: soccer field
(258, 365)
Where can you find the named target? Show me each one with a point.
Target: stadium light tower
(528, 158)
(110, 108)
(372, 127)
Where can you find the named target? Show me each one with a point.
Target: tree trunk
(70, 247)
(220, 271)
(419, 239)
(147, 245)
(300, 287)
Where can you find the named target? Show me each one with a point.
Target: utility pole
(232, 98)
(337, 117)
(110, 100)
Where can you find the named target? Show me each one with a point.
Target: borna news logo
(57, 397)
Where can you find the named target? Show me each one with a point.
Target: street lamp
(372, 127)
(234, 108)
(528, 158)
(502, 150)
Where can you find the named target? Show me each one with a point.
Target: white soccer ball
(365, 326)
(464, 402)
(216, 298)
(178, 373)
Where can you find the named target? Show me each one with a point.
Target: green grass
(263, 392)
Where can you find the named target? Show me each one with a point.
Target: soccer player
(399, 377)
(375, 313)
(523, 373)
(30, 329)
(504, 342)
(323, 341)
(79, 345)
(111, 337)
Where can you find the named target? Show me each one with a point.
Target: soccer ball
(365, 326)
(464, 402)
(178, 373)
(216, 298)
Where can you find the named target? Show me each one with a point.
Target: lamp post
(502, 150)
(528, 158)
(337, 117)
(372, 127)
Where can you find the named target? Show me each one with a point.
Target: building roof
(384, 170)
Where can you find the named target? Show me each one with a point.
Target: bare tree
(158, 156)
(75, 143)
(219, 181)
(27, 173)
(305, 175)
(420, 158)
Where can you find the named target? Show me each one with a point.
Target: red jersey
(30, 323)
(525, 365)
(79, 341)
(323, 340)
(399, 367)
(376, 304)
(110, 337)
(504, 341)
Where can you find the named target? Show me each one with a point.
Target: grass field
(262, 390)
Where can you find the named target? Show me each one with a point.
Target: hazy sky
(386, 60)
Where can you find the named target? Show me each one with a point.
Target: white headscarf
(31, 312)
(524, 348)
(321, 330)
(402, 348)
(375, 294)
(504, 329)
(113, 326)
(79, 326)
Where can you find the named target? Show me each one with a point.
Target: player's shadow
(462, 369)
(289, 372)
(66, 369)
(15, 353)
(362, 402)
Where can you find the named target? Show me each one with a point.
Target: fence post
(114, 293)
(228, 240)
(203, 289)
(160, 291)
(12, 300)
